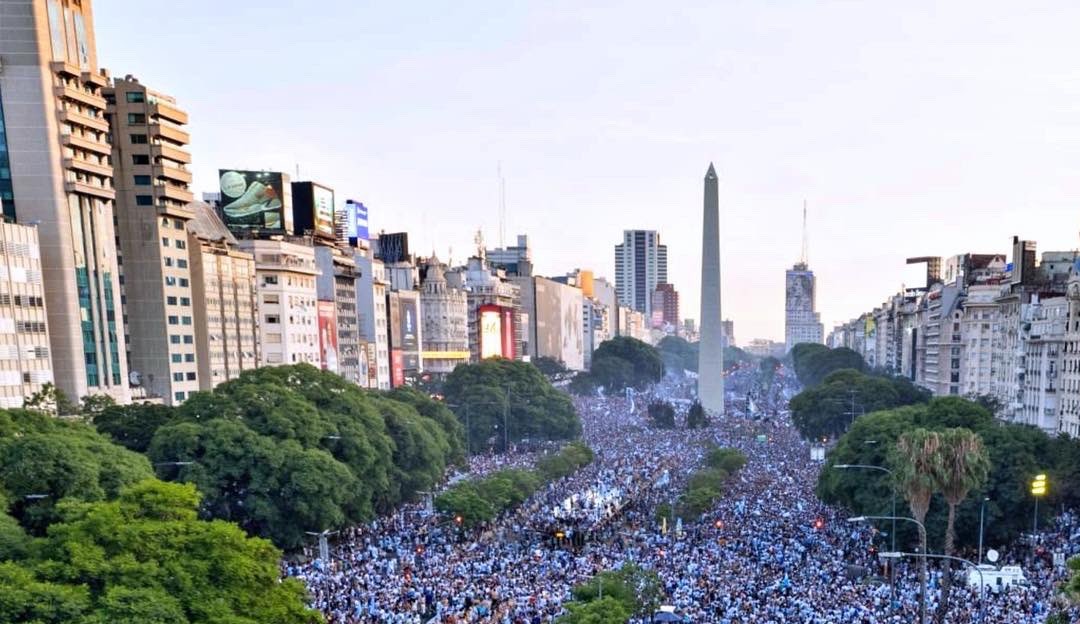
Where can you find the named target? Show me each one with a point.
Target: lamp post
(879, 469)
(922, 540)
(982, 583)
(1038, 490)
(982, 515)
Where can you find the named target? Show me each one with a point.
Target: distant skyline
(914, 129)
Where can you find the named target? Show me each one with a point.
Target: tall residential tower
(640, 265)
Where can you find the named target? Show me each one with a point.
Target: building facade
(665, 307)
(59, 175)
(339, 342)
(640, 264)
(224, 298)
(444, 316)
(371, 289)
(802, 323)
(151, 181)
(285, 274)
(25, 364)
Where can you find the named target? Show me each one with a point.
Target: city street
(768, 551)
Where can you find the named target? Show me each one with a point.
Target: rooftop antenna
(802, 258)
(502, 206)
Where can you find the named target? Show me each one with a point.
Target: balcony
(84, 165)
(88, 189)
(173, 134)
(161, 150)
(65, 68)
(172, 173)
(77, 118)
(90, 145)
(166, 110)
(175, 192)
(74, 93)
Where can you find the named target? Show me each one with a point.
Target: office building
(224, 298)
(25, 365)
(516, 260)
(665, 308)
(58, 175)
(802, 322)
(640, 264)
(285, 273)
(339, 330)
(371, 311)
(151, 181)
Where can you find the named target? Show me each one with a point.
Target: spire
(805, 244)
(711, 173)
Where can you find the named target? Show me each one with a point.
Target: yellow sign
(1039, 485)
(445, 355)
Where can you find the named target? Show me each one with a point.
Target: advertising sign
(397, 368)
(410, 332)
(253, 200)
(491, 341)
(508, 337)
(328, 339)
(323, 210)
(357, 220)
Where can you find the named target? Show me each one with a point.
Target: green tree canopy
(678, 355)
(497, 394)
(814, 362)
(624, 362)
(825, 410)
(145, 558)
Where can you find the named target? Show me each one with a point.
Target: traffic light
(719, 524)
(819, 524)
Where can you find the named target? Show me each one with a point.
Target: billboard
(409, 317)
(508, 336)
(323, 210)
(356, 221)
(490, 332)
(328, 338)
(559, 323)
(255, 200)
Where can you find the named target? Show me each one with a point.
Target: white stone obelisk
(711, 347)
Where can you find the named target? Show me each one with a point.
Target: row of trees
(501, 402)
(614, 596)
(88, 535)
(706, 485)
(1017, 453)
(620, 363)
(814, 362)
(482, 500)
(679, 355)
(827, 409)
(662, 415)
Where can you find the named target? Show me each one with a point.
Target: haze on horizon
(912, 129)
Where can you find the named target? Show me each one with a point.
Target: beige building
(224, 298)
(285, 273)
(59, 176)
(24, 340)
(151, 180)
(980, 327)
(444, 316)
(336, 284)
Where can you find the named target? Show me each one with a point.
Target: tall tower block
(711, 347)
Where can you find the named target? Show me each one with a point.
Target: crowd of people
(768, 552)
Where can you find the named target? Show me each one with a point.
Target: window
(144, 200)
(180, 244)
(191, 376)
(177, 358)
(164, 242)
(270, 280)
(137, 119)
(143, 180)
(179, 395)
(178, 376)
(168, 261)
(181, 263)
(135, 97)
(170, 280)
(173, 320)
(188, 339)
(139, 139)
(186, 320)
(184, 282)
(184, 301)
(170, 300)
(189, 357)
(174, 339)
(272, 319)
(140, 159)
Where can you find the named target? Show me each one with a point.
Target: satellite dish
(992, 555)
(135, 378)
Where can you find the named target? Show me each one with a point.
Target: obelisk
(711, 347)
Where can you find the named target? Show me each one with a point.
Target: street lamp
(174, 463)
(879, 469)
(982, 515)
(982, 583)
(1038, 490)
(35, 496)
(922, 541)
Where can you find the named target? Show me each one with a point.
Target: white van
(996, 580)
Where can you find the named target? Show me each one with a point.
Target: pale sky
(911, 128)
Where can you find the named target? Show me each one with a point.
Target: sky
(910, 129)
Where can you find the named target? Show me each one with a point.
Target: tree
(624, 362)
(133, 426)
(550, 367)
(51, 400)
(915, 461)
(825, 410)
(661, 415)
(628, 591)
(679, 355)
(814, 362)
(496, 394)
(696, 417)
(961, 465)
(145, 558)
(603, 611)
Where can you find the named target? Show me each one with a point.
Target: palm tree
(914, 464)
(962, 465)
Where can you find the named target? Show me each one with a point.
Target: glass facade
(7, 193)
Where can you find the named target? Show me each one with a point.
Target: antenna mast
(802, 258)
(502, 207)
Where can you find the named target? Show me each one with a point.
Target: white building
(25, 364)
(371, 288)
(444, 317)
(640, 264)
(285, 274)
(1069, 387)
(802, 323)
(979, 329)
(1044, 339)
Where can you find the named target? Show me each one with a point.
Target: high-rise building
(729, 333)
(151, 180)
(802, 323)
(711, 346)
(224, 300)
(339, 333)
(640, 264)
(665, 307)
(285, 273)
(371, 311)
(58, 174)
(25, 364)
(515, 260)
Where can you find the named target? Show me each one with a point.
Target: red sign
(508, 333)
(397, 368)
(328, 340)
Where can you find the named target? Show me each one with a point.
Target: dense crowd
(769, 552)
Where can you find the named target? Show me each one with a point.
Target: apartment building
(336, 285)
(285, 274)
(25, 365)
